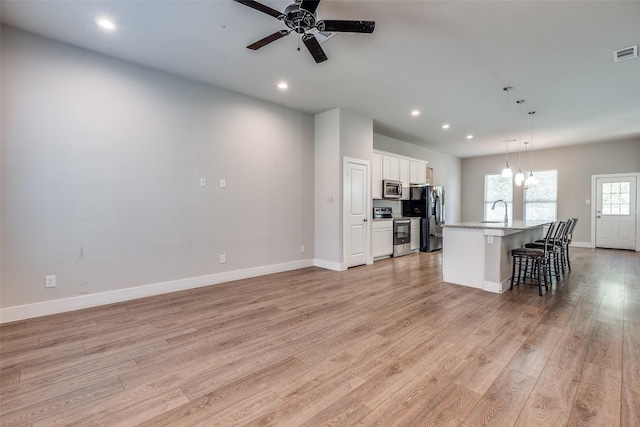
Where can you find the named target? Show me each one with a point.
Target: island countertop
(516, 224)
(478, 253)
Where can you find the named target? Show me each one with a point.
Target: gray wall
(101, 168)
(575, 165)
(447, 170)
(339, 133)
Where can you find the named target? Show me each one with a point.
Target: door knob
(365, 220)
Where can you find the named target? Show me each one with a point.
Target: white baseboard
(21, 312)
(496, 287)
(583, 244)
(330, 265)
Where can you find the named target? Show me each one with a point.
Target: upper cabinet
(390, 167)
(376, 176)
(405, 173)
(418, 173)
(399, 168)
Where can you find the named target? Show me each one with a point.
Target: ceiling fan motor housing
(299, 20)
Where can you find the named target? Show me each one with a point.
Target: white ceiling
(449, 59)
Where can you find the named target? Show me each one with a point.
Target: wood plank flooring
(382, 345)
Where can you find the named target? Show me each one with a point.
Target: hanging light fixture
(520, 176)
(531, 180)
(506, 172)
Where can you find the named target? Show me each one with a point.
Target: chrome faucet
(506, 218)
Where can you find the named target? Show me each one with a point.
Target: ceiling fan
(300, 17)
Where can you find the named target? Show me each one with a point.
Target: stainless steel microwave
(391, 189)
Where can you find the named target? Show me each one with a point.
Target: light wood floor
(388, 344)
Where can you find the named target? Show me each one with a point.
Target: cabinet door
(404, 177)
(382, 240)
(376, 176)
(418, 172)
(391, 168)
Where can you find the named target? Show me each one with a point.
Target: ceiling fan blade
(265, 41)
(309, 6)
(314, 48)
(261, 7)
(346, 26)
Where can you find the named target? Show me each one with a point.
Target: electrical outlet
(489, 239)
(203, 182)
(223, 183)
(49, 281)
(223, 259)
(302, 248)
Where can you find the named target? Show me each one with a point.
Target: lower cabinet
(382, 238)
(415, 234)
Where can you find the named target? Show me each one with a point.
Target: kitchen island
(478, 253)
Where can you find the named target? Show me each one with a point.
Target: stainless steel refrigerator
(428, 203)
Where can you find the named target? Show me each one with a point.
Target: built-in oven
(401, 236)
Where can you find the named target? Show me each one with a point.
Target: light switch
(223, 183)
(203, 182)
(588, 201)
(489, 239)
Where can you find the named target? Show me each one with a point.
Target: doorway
(615, 211)
(357, 201)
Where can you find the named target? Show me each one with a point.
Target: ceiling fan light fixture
(300, 18)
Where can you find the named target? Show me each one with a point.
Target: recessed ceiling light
(106, 24)
(469, 136)
(282, 85)
(415, 113)
(445, 126)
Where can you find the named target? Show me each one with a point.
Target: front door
(616, 212)
(356, 209)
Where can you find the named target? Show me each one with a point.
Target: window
(497, 188)
(616, 198)
(541, 201)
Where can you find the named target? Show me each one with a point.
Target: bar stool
(532, 263)
(553, 245)
(564, 243)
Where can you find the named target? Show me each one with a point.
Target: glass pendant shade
(519, 178)
(506, 172)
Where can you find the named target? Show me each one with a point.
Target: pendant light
(531, 180)
(520, 176)
(506, 172)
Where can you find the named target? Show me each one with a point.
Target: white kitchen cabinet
(376, 176)
(404, 177)
(382, 238)
(418, 172)
(391, 167)
(415, 234)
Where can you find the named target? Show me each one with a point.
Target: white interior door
(356, 203)
(616, 212)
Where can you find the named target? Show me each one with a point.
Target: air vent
(626, 53)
